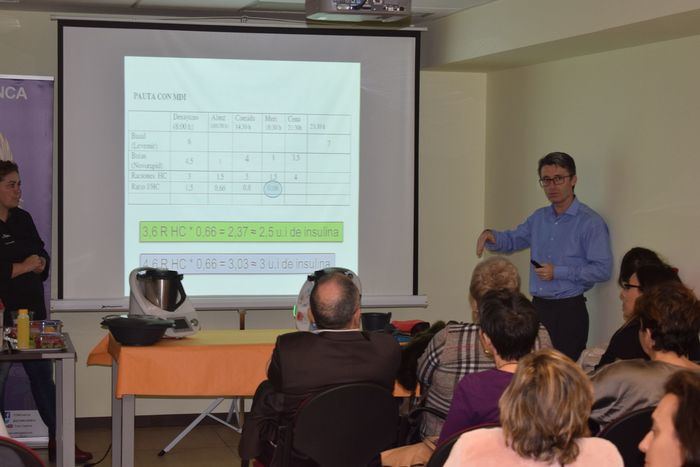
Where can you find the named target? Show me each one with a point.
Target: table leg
(241, 319)
(65, 412)
(207, 412)
(123, 411)
(127, 434)
(116, 419)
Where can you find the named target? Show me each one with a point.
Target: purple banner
(26, 136)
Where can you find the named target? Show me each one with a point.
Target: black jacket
(18, 240)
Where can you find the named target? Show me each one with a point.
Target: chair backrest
(626, 433)
(442, 451)
(16, 454)
(346, 425)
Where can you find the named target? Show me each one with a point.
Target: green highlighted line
(179, 231)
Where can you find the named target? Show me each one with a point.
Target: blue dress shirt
(576, 243)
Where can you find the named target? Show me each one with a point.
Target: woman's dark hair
(6, 168)
(634, 259)
(685, 385)
(651, 275)
(509, 319)
(672, 313)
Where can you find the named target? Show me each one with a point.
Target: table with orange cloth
(210, 363)
(214, 363)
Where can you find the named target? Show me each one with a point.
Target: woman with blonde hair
(544, 421)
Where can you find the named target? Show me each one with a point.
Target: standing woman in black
(24, 266)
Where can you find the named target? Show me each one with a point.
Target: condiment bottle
(23, 329)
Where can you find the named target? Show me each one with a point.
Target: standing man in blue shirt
(569, 251)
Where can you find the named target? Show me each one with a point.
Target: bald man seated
(306, 363)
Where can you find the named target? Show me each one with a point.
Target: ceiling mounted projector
(358, 10)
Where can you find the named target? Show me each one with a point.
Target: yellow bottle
(23, 329)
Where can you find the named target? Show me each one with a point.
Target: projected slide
(241, 174)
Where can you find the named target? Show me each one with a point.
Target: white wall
(451, 209)
(630, 119)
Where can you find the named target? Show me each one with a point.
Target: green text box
(215, 231)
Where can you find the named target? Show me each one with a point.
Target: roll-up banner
(26, 136)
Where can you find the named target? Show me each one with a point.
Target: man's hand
(486, 236)
(546, 272)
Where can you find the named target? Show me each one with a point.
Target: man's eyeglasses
(557, 180)
(627, 286)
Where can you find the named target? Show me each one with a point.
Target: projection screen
(243, 157)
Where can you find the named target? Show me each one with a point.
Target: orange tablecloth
(211, 363)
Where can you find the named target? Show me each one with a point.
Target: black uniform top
(19, 239)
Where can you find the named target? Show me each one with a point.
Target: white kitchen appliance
(159, 292)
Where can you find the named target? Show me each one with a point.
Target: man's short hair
(560, 159)
(334, 312)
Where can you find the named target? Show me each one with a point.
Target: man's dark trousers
(566, 319)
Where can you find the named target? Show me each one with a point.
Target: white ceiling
(422, 10)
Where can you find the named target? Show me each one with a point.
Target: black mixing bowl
(137, 329)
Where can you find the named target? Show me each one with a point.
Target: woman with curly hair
(640, 270)
(669, 315)
(544, 421)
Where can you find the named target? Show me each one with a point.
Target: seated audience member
(306, 363)
(509, 326)
(544, 415)
(456, 350)
(624, 344)
(670, 321)
(674, 440)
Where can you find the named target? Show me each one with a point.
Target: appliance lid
(159, 274)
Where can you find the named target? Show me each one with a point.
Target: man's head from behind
(335, 302)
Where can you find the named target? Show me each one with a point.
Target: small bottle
(23, 329)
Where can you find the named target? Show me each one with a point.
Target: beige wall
(630, 118)
(451, 208)
(509, 33)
